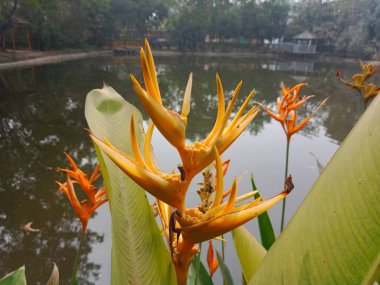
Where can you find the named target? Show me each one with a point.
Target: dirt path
(15, 59)
(10, 60)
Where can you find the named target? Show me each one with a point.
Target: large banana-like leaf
(16, 277)
(139, 255)
(334, 238)
(249, 251)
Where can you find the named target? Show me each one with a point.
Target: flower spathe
(95, 198)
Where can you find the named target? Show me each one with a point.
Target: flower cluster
(287, 107)
(185, 227)
(95, 197)
(367, 90)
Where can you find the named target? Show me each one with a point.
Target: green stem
(223, 247)
(286, 175)
(76, 264)
(198, 264)
(224, 281)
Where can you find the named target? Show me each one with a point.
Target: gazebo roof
(305, 35)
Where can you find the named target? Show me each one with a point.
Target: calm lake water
(42, 115)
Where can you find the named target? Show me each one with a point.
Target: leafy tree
(132, 18)
(223, 20)
(351, 27)
(7, 10)
(190, 23)
(265, 20)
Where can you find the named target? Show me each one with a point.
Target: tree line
(346, 27)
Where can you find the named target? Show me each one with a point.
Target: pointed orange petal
(71, 161)
(135, 145)
(187, 96)
(152, 69)
(221, 110)
(224, 223)
(170, 124)
(300, 126)
(148, 77)
(240, 112)
(219, 177)
(211, 261)
(231, 199)
(151, 182)
(299, 103)
(95, 174)
(74, 200)
(148, 154)
(273, 115)
(73, 174)
(229, 137)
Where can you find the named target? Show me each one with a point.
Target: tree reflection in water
(42, 115)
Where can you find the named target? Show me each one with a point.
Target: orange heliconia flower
(358, 82)
(95, 198)
(287, 107)
(211, 260)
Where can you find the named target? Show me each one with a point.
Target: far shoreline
(22, 59)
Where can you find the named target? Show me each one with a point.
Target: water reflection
(41, 113)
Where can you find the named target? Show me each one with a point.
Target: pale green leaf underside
(16, 277)
(139, 255)
(334, 238)
(249, 251)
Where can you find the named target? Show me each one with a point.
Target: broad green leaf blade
(227, 278)
(54, 277)
(265, 225)
(139, 255)
(16, 277)
(249, 251)
(374, 273)
(334, 236)
(203, 277)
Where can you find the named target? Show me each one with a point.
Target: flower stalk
(85, 208)
(286, 175)
(77, 258)
(287, 116)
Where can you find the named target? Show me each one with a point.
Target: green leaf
(54, 277)
(16, 277)
(373, 274)
(249, 251)
(227, 278)
(139, 255)
(334, 236)
(203, 277)
(265, 225)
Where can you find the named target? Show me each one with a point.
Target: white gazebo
(305, 43)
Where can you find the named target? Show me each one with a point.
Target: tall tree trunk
(5, 23)
(2, 40)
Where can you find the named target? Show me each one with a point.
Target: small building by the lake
(303, 43)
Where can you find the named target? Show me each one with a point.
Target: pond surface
(42, 115)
